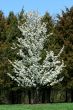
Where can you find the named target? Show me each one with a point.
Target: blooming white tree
(29, 72)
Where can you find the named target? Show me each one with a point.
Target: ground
(56, 106)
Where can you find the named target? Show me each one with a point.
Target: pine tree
(64, 35)
(49, 22)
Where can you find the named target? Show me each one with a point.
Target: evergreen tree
(2, 27)
(12, 31)
(48, 21)
(21, 17)
(64, 35)
(50, 42)
(8, 33)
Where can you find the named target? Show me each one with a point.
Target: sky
(52, 6)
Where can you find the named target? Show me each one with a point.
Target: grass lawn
(57, 106)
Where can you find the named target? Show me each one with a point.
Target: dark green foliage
(12, 31)
(21, 18)
(8, 33)
(64, 35)
(2, 27)
(49, 22)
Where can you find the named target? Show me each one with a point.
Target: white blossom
(29, 72)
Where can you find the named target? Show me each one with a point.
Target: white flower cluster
(29, 72)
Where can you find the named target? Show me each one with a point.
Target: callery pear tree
(29, 72)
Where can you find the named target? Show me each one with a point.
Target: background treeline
(62, 29)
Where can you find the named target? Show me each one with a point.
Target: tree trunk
(43, 95)
(48, 94)
(37, 95)
(29, 96)
(13, 97)
(66, 96)
(71, 95)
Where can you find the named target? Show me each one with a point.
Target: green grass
(57, 106)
